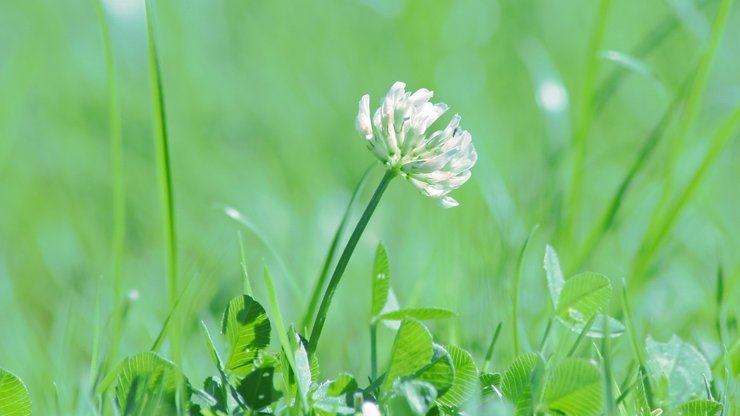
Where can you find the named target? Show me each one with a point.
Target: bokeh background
(261, 98)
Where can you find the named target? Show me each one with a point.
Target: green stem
(165, 177)
(373, 350)
(584, 120)
(318, 325)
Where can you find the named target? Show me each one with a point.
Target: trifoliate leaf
(257, 388)
(615, 327)
(247, 330)
(680, 366)
(440, 372)
(465, 384)
(148, 385)
(518, 381)
(583, 296)
(412, 350)
(410, 398)
(14, 398)
(575, 388)
(699, 408)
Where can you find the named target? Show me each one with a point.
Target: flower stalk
(336, 277)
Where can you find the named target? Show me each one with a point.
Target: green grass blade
(165, 177)
(663, 223)
(247, 287)
(244, 221)
(279, 323)
(606, 220)
(585, 116)
(647, 45)
(489, 351)
(166, 325)
(637, 349)
(515, 302)
(690, 113)
(116, 155)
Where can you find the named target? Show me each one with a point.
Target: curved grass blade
(241, 219)
(583, 121)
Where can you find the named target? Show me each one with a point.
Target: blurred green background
(261, 99)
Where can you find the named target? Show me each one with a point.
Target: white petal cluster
(438, 162)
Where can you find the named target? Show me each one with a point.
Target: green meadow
(180, 180)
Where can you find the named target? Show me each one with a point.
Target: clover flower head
(436, 163)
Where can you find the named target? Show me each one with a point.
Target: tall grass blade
(656, 230)
(606, 220)
(118, 185)
(638, 350)
(116, 154)
(585, 116)
(663, 223)
(279, 323)
(165, 177)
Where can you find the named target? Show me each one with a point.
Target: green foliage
(465, 383)
(257, 388)
(381, 280)
(411, 398)
(583, 297)
(678, 369)
(616, 134)
(247, 330)
(150, 384)
(699, 408)
(14, 398)
(440, 372)
(422, 314)
(412, 350)
(575, 388)
(519, 381)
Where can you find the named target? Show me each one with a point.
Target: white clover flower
(370, 409)
(436, 163)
